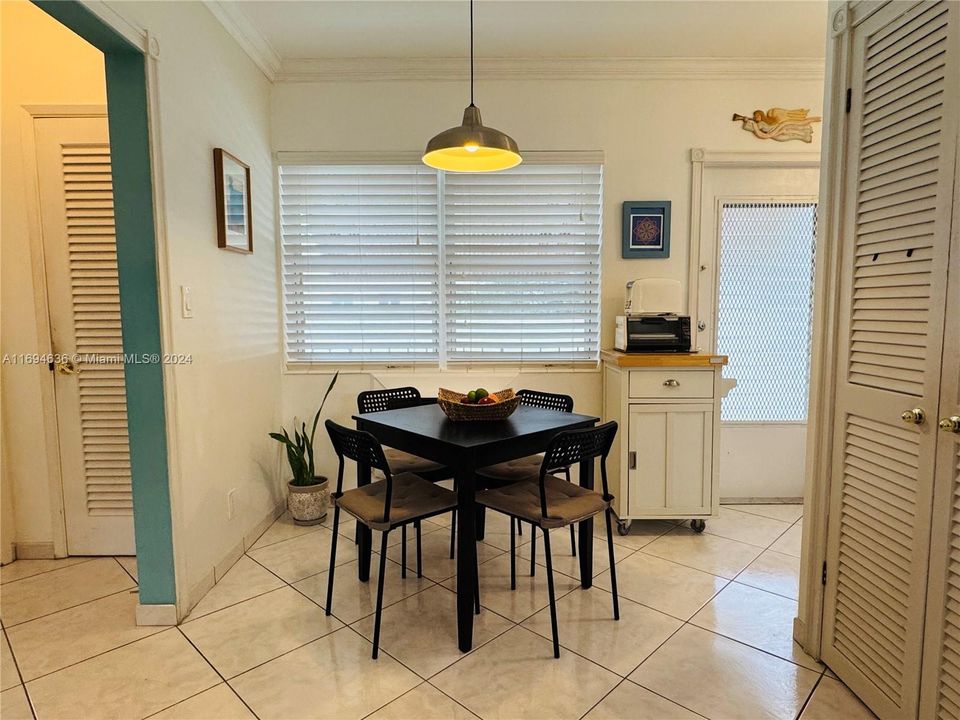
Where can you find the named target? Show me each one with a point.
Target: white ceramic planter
(308, 503)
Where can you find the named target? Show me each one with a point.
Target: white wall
(645, 127)
(226, 401)
(42, 63)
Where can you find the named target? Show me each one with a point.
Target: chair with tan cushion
(552, 503)
(403, 462)
(528, 468)
(384, 505)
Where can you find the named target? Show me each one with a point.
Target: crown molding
(400, 69)
(241, 29)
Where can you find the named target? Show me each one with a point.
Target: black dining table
(425, 431)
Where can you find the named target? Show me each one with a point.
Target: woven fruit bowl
(453, 404)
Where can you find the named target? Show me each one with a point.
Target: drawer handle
(671, 383)
(633, 460)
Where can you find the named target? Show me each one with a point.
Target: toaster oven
(652, 332)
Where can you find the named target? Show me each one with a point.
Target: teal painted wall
(139, 297)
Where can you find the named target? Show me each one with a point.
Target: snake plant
(300, 448)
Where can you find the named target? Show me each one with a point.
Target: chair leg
(419, 552)
(403, 551)
(333, 557)
(550, 591)
(533, 549)
(613, 567)
(513, 554)
(519, 528)
(573, 541)
(383, 577)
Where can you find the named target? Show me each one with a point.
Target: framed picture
(234, 206)
(646, 229)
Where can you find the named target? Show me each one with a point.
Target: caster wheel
(698, 526)
(623, 527)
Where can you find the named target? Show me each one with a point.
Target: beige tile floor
(705, 631)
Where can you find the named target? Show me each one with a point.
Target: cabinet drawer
(666, 384)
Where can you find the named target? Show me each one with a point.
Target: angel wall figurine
(780, 124)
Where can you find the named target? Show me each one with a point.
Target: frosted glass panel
(765, 300)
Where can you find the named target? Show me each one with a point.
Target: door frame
(48, 395)
(131, 57)
(808, 623)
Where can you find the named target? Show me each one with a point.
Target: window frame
(401, 367)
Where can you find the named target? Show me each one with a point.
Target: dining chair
(395, 501)
(552, 502)
(526, 468)
(400, 462)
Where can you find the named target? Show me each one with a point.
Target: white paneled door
(80, 259)
(895, 236)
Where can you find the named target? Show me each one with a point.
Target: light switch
(186, 302)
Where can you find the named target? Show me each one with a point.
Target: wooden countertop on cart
(640, 360)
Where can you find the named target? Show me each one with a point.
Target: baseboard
(34, 551)
(216, 573)
(156, 614)
(261, 527)
(761, 501)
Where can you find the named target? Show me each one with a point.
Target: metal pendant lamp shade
(471, 146)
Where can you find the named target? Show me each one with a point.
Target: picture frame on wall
(646, 229)
(234, 202)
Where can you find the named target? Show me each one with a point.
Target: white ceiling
(541, 28)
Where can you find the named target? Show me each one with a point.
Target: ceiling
(541, 28)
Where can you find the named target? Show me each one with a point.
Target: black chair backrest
(401, 403)
(548, 401)
(574, 446)
(376, 400)
(361, 447)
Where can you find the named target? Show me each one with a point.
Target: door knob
(66, 368)
(915, 416)
(950, 424)
(671, 383)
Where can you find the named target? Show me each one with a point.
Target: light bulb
(471, 147)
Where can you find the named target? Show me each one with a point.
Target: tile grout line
(16, 666)
(219, 674)
(72, 607)
(87, 558)
(810, 696)
(136, 580)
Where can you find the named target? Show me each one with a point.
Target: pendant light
(472, 147)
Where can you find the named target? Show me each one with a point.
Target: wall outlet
(231, 503)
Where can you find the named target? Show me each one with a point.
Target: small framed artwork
(234, 205)
(646, 229)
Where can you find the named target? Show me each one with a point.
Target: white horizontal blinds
(522, 264)
(360, 262)
(95, 290)
(904, 85)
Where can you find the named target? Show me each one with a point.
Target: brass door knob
(66, 368)
(950, 424)
(914, 417)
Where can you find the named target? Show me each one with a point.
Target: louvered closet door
(901, 140)
(76, 203)
(940, 695)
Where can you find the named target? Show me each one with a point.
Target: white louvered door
(76, 208)
(901, 142)
(940, 693)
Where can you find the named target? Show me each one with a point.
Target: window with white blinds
(522, 264)
(360, 262)
(400, 263)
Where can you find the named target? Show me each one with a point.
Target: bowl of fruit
(478, 404)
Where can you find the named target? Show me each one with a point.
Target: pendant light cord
(471, 52)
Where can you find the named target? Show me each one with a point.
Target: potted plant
(309, 494)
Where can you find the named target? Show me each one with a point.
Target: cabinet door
(671, 460)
